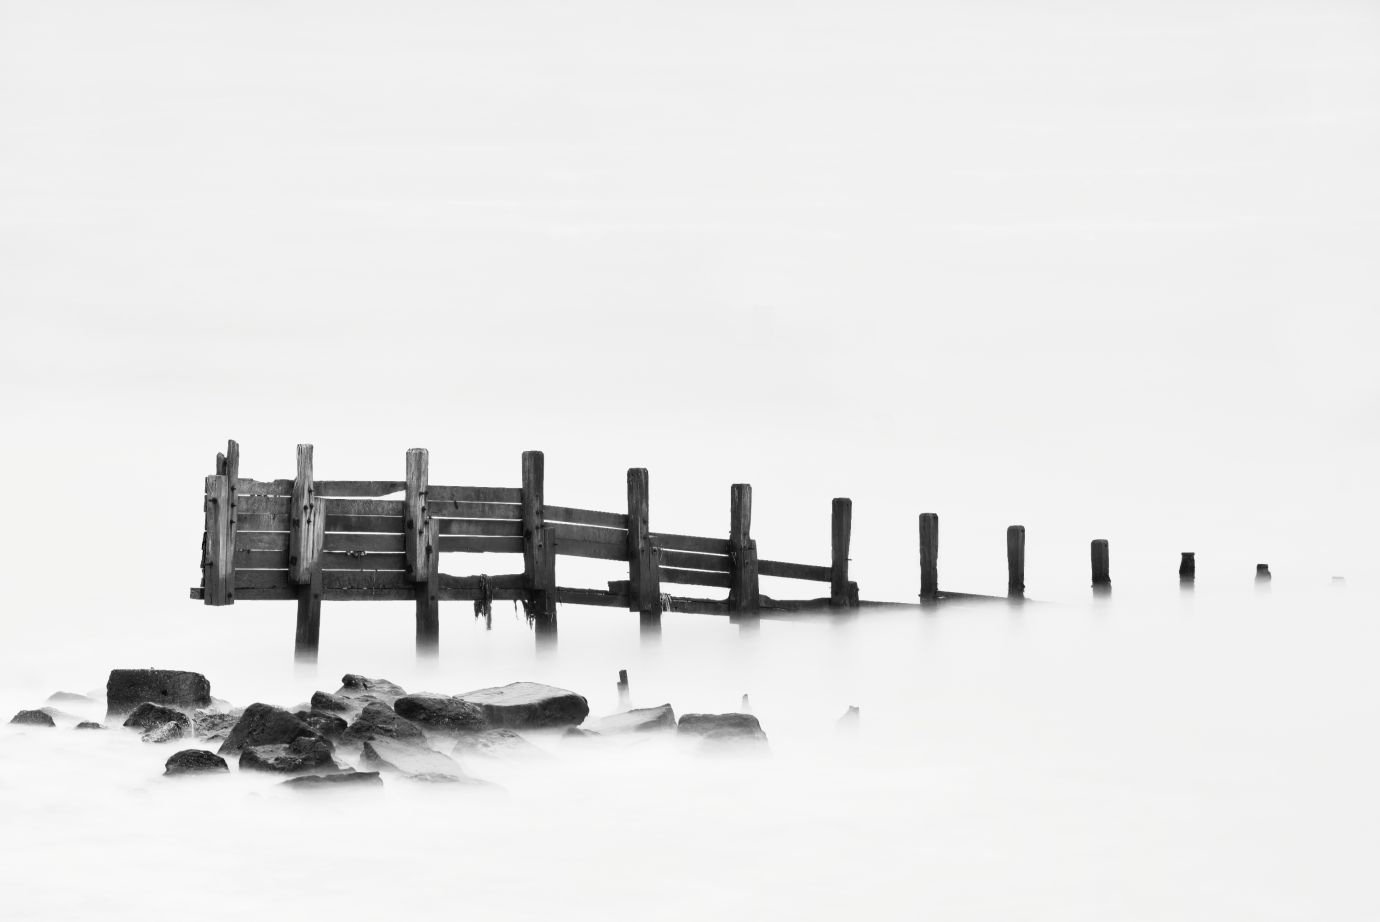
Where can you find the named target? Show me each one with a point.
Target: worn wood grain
(265, 505)
(416, 522)
(690, 543)
(478, 494)
(840, 537)
(346, 541)
(576, 516)
(644, 584)
(929, 556)
(308, 520)
(538, 555)
(1015, 561)
(590, 533)
(480, 545)
(742, 551)
(360, 488)
(493, 528)
(572, 596)
(457, 509)
(218, 566)
(693, 577)
(784, 570)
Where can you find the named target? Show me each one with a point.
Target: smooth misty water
(1207, 756)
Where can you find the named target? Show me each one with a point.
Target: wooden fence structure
(352, 540)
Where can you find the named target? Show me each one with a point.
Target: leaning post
(1015, 561)
(929, 556)
(743, 593)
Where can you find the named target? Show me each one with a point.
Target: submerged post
(743, 593)
(429, 594)
(538, 557)
(1187, 568)
(1101, 565)
(307, 532)
(1015, 561)
(929, 556)
(840, 536)
(1262, 573)
(644, 578)
(623, 690)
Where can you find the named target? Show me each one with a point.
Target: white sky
(1106, 269)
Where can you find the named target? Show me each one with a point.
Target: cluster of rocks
(369, 728)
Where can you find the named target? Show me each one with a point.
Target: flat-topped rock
(379, 721)
(638, 720)
(265, 725)
(722, 727)
(194, 762)
(126, 689)
(33, 718)
(407, 758)
(445, 713)
(529, 705)
(301, 755)
(343, 779)
(352, 685)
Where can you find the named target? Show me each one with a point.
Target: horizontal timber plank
(690, 543)
(344, 541)
(471, 544)
(246, 559)
(574, 596)
(288, 592)
(502, 581)
(265, 505)
(454, 508)
(261, 541)
(247, 487)
(475, 494)
(349, 506)
(359, 488)
(586, 517)
(493, 528)
(693, 577)
(591, 549)
(692, 561)
(794, 570)
(590, 533)
(363, 561)
(381, 524)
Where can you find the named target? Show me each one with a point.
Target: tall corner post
(538, 550)
(420, 545)
(306, 536)
(1101, 566)
(218, 543)
(842, 594)
(929, 557)
(1015, 561)
(743, 592)
(644, 576)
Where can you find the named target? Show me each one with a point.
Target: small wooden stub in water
(929, 556)
(1101, 565)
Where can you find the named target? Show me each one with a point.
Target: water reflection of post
(1101, 567)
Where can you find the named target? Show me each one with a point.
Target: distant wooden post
(644, 578)
(623, 691)
(1015, 561)
(306, 536)
(840, 536)
(743, 594)
(538, 552)
(1187, 567)
(416, 519)
(218, 554)
(428, 593)
(929, 556)
(1262, 573)
(1101, 564)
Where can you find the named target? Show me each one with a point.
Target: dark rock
(213, 726)
(722, 727)
(638, 720)
(345, 779)
(407, 758)
(352, 686)
(379, 721)
(302, 754)
(498, 744)
(331, 726)
(442, 712)
(149, 716)
(194, 761)
(265, 725)
(33, 719)
(128, 688)
(88, 725)
(325, 701)
(529, 705)
(164, 733)
(64, 697)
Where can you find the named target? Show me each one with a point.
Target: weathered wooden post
(623, 691)
(538, 551)
(840, 537)
(306, 536)
(1101, 565)
(644, 577)
(1015, 561)
(743, 593)
(420, 543)
(1262, 573)
(218, 555)
(929, 556)
(1187, 568)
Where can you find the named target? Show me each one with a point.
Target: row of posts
(1015, 562)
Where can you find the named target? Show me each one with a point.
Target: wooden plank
(218, 566)
(263, 579)
(929, 556)
(840, 536)
(453, 508)
(590, 550)
(360, 488)
(384, 507)
(262, 521)
(380, 524)
(230, 467)
(590, 533)
(261, 541)
(785, 570)
(573, 596)
(266, 505)
(502, 581)
(690, 543)
(265, 487)
(742, 551)
(308, 520)
(692, 561)
(416, 523)
(644, 585)
(308, 637)
(693, 577)
(363, 561)
(586, 517)
(260, 560)
(478, 494)
(345, 541)
(494, 528)
(538, 556)
(478, 545)
(367, 579)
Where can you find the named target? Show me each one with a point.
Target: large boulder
(445, 713)
(529, 706)
(194, 762)
(379, 721)
(354, 686)
(301, 755)
(409, 759)
(343, 779)
(331, 726)
(33, 719)
(150, 716)
(325, 701)
(499, 743)
(214, 726)
(164, 733)
(265, 725)
(126, 689)
(722, 728)
(638, 720)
